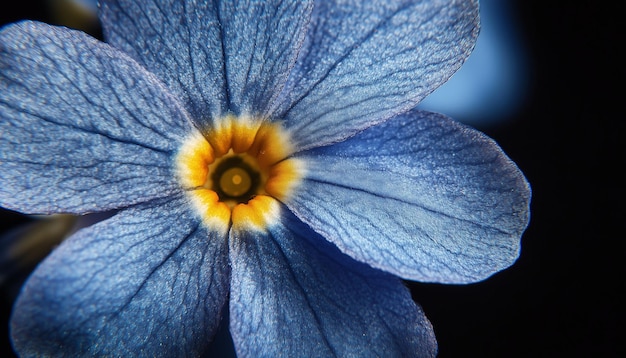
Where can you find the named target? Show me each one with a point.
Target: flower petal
(215, 55)
(365, 61)
(294, 294)
(82, 126)
(420, 196)
(150, 281)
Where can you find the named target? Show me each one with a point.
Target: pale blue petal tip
(420, 196)
(392, 56)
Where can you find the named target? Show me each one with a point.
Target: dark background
(563, 297)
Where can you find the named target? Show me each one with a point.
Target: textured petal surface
(420, 196)
(293, 294)
(150, 281)
(216, 55)
(82, 126)
(365, 61)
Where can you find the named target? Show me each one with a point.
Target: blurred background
(545, 82)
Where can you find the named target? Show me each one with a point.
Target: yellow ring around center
(241, 197)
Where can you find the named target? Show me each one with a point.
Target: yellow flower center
(237, 172)
(235, 182)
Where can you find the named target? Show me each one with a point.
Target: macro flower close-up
(261, 161)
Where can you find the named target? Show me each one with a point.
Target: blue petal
(82, 126)
(215, 55)
(150, 281)
(366, 61)
(293, 294)
(420, 196)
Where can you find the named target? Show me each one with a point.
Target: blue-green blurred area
(492, 86)
(543, 82)
(77, 14)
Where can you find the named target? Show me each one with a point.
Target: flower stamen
(238, 171)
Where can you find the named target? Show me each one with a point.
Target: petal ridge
(310, 299)
(84, 127)
(420, 196)
(363, 63)
(224, 57)
(131, 284)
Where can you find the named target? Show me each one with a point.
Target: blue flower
(263, 157)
